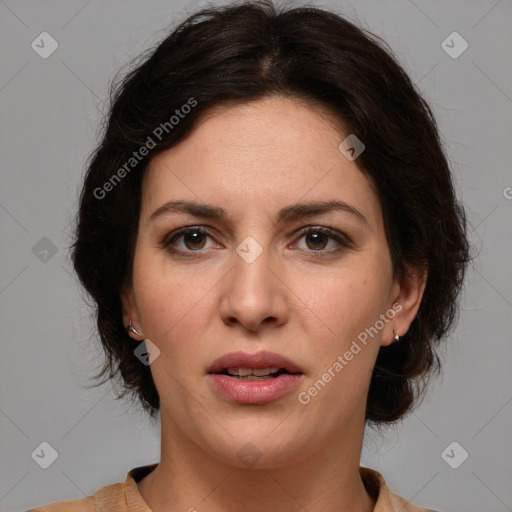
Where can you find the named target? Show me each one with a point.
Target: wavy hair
(242, 52)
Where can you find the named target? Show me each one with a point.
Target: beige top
(125, 497)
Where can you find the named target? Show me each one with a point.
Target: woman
(270, 233)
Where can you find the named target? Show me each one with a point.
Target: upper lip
(258, 360)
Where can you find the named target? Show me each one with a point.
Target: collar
(374, 482)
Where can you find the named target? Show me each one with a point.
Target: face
(256, 273)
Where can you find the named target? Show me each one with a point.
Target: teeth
(262, 371)
(246, 372)
(253, 377)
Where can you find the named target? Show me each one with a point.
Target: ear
(406, 298)
(130, 313)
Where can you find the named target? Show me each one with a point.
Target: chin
(254, 448)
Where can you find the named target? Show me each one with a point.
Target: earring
(396, 337)
(132, 329)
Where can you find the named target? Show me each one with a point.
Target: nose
(254, 294)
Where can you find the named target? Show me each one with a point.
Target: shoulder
(386, 501)
(118, 497)
(108, 498)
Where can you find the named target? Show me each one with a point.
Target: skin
(252, 160)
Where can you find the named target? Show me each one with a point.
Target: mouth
(254, 373)
(254, 378)
(244, 365)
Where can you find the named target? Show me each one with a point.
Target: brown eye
(318, 240)
(192, 240)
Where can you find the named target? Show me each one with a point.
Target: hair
(242, 52)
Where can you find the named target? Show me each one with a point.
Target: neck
(189, 478)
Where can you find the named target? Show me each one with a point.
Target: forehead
(263, 154)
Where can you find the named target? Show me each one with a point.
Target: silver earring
(132, 329)
(396, 337)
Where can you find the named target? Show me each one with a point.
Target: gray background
(49, 117)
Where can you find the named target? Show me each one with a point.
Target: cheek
(349, 299)
(347, 303)
(168, 308)
(175, 309)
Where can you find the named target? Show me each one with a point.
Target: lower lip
(254, 391)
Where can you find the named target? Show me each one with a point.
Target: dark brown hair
(242, 52)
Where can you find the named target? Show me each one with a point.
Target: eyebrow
(291, 212)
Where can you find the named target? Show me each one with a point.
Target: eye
(316, 239)
(194, 239)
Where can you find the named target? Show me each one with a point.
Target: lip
(258, 360)
(254, 391)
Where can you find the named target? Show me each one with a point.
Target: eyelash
(343, 240)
